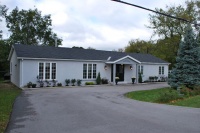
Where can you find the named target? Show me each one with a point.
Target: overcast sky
(101, 24)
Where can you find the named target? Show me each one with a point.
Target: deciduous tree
(31, 28)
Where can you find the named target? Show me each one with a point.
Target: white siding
(64, 70)
(128, 73)
(153, 70)
(14, 69)
(74, 70)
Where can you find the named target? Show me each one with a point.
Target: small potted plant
(48, 83)
(54, 82)
(67, 81)
(29, 84)
(59, 84)
(73, 81)
(116, 80)
(79, 82)
(40, 81)
(133, 80)
(34, 85)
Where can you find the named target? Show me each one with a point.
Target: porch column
(137, 74)
(114, 73)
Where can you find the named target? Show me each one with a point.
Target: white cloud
(102, 24)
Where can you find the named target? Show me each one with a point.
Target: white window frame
(161, 70)
(44, 70)
(141, 69)
(55, 71)
(87, 71)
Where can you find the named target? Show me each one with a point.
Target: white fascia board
(127, 57)
(11, 52)
(152, 63)
(26, 58)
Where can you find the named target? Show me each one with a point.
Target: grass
(153, 95)
(8, 93)
(146, 95)
(188, 102)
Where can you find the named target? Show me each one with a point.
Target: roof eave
(156, 63)
(30, 58)
(11, 52)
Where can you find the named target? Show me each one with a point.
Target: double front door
(119, 72)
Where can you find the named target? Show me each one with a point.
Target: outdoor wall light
(105, 67)
(131, 67)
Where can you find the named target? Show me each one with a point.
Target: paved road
(100, 109)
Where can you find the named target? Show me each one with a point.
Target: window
(41, 70)
(53, 71)
(47, 70)
(94, 71)
(161, 70)
(89, 71)
(140, 69)
(84, 71)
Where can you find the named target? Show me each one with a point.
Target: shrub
(104, 81)
(79, 82)
(29, 84)
(89, 83)
(140, 78)
(151, 78)
(168, 96)
(34, 85)
(59, 84)
(48, 83)
(190, 92)
(54, 82)
(197, 90)
(67, 81)
(98, 80)
(185, 91)
(73, 81)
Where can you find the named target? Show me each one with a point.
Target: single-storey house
(30, 63)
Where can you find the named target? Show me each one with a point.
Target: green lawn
(8, 93)
(153, 95)
(189, 102)
(146, 95)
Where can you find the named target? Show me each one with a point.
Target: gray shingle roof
(30, 51)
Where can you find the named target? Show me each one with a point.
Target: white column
(136, 73)
(114, 73)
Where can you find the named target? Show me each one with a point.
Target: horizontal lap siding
(153, 70)
(65, 70)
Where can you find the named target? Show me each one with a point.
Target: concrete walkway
(101, 109)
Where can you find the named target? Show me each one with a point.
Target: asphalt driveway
(101, 109)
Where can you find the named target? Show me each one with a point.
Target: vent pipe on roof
(109, 58)
(56, 45)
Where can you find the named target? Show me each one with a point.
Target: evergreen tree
(187, 67)
(98, 80)
(140, 78)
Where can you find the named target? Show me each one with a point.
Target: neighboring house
(45, 62)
